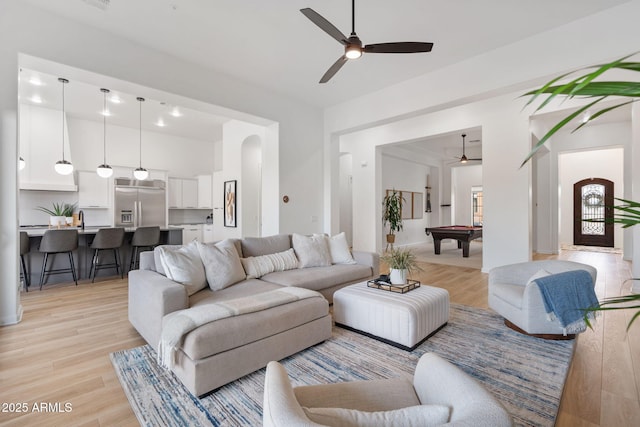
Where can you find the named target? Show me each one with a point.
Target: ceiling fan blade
(324, 25)
(399, 47)
(333, 69)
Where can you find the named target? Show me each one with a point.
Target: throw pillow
(258, 266)
(312, 251)
(184, 265)
(413, 416)
(221, 264)
(540, 273)
(339, 249)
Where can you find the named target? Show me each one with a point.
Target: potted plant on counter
(392, 214)
(402, 263)
(58, 213)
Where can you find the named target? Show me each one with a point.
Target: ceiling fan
(353, 47)
(464, 158)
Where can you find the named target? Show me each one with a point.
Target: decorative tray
(409, 286)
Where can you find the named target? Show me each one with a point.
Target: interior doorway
(592, 200)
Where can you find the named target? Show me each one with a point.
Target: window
(476, 208)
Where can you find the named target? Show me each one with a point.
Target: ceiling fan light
(104, 171)
(353, 52)
(141, 174)
(63, 167)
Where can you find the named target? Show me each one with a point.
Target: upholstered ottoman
(403, 320)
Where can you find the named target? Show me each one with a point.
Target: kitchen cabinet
(93, 191)
(191, 232)
(205, 196)
(183, 193)
(207, 233)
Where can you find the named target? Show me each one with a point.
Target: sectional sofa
(239, 303)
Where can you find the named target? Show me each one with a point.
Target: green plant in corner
(587, 86)
(392, 213)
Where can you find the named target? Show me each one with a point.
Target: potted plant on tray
(392, 214)
(402, 263)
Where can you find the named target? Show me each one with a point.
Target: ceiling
(271, 44)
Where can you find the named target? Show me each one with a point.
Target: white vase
(57, 221)
(398, 277)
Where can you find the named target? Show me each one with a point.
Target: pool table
(462, 233)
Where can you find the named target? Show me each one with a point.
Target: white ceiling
(271, 44)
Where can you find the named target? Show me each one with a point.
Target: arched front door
(592, 199)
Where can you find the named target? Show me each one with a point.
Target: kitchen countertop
(35, 230)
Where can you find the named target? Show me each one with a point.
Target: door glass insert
(476, 199)
(593, 208)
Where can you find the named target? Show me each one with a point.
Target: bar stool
(57, 242)
(107, 238)
(24, 250)
(143, 237)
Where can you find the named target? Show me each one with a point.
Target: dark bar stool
(57, 242)
(107, 238)
(143, 237)
(24, 250)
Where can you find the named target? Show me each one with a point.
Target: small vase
(398, 277)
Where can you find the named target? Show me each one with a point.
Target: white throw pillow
(258, 266)
(539, 274)
(413, 416)
(184, 265)
(339, 249)
(221, 264)
(312, 251)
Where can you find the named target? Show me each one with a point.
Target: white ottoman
(403, 320)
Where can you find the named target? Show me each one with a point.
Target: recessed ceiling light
(106, 113)
(115, 99)
(36, 81)
(175, 112)
(160, 123)
(36, 99)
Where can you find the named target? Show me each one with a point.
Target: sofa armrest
(151, 297)
(147, 261)
(370, 259)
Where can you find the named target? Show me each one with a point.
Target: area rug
(526, 374)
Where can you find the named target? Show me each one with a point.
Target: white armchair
(441, 394)
(515, 297)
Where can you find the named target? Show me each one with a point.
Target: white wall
(406, 176)
(576, 166)
(463, 178)
(251, 186)
(28, 29)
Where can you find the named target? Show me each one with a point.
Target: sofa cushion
(339, 249)
(258, 266)
(184, 265)
(257, 246)
(221, 263)
(229, 333)
(413, 416)
(317, 278)
(312, 251)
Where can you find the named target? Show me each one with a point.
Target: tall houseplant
(587, 86)
(392, 213)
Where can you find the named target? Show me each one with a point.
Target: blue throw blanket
(566, 296)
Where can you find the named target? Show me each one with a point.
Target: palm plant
(586, 86)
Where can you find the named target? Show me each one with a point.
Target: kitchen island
(83, 255)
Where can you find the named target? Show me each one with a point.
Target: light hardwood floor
(59, 353)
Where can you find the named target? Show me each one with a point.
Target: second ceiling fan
(464, 158)
(353, 47)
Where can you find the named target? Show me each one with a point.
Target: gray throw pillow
(312, 251)
(222, 264)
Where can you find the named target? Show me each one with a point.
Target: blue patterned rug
(526, 374)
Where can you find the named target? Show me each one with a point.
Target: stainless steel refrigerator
(140, 203)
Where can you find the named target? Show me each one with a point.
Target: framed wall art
(230, 198)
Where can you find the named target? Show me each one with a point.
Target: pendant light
(104, 170)
(63, 167)
(140, 173)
